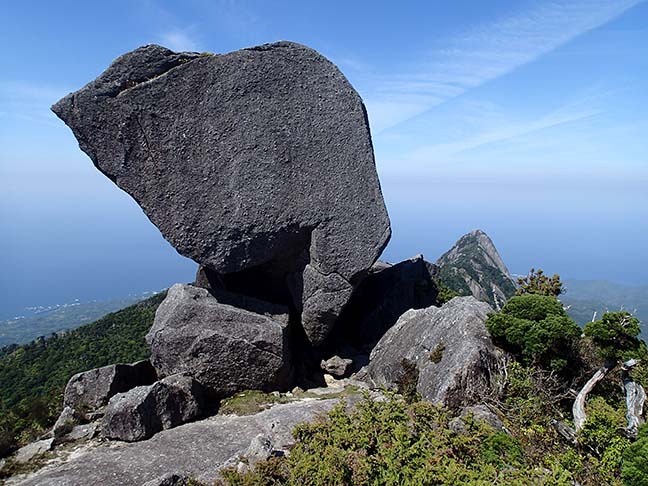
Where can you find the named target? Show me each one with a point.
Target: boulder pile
(258, 165)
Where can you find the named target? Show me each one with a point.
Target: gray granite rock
(337, 367)
(170, 479)
(483, 413)
(65, 423)
(261, 448)
(225, 348)
(247, 159)
(198, 449)
(143, 411)
(450, 347)
(92, 389)
(30, 451)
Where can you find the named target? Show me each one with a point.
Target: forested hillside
(33, 376)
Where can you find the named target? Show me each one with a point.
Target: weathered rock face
(225, 348)
(92, 389)
(257, 158)
(143, 411)
(450, 347)
(474, 267)
(383, 296)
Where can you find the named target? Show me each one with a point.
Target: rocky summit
(474, 267)
(257, 164)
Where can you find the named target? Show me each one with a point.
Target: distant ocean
(62, 242)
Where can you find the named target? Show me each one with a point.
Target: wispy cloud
(486, 52)
(506, 131)
(179, 40)
(28, 101)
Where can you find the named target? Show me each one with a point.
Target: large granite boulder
(449, 346)
(92, 389)
(143, 411)
(226, 348)
(256, 159)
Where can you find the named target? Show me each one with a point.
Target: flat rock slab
(197, 449)
(243, 159)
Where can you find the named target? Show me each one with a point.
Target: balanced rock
(92, 389)
(143, 411)
(227, 349)
(256, 159)
(449, 346)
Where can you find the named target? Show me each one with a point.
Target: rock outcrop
(227, 349)
(256, 161)
(198, 449)
(383, 296)
(474, 267)
(143, 411)
(92, 389)
(449, 346)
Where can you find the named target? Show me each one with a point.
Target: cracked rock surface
(225, 348)
(255, 158)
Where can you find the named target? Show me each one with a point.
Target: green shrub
(536, 282)
(536, 328)
(395, 443)
(616, 336)
(634, 470)
(407, 382)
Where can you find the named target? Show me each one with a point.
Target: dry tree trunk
(635, 398)
(578, 409)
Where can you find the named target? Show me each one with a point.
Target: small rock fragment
(65, 423)
(170, 479)
(337, 367)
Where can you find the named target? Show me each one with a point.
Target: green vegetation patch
(33, 376)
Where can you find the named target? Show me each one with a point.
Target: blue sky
(525, 119)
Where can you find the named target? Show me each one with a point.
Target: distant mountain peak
(473, 266)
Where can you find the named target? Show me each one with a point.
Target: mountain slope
(474, 267)
(22, 330)
(33, 376)
(584, 297)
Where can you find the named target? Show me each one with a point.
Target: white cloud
(179, 40)
(482, 54)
